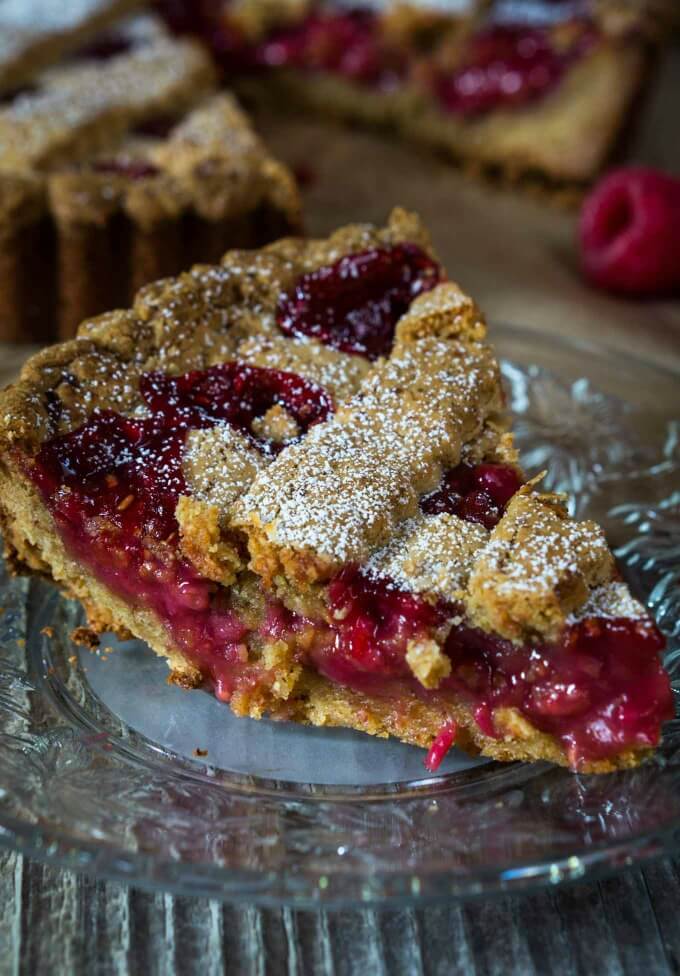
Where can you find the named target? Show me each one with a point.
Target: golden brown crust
(340, 493)
(537, 568)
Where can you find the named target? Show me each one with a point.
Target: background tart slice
(364, 554)
(520, 89)
(122, 165)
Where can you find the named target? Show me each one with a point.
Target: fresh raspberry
(629, 229)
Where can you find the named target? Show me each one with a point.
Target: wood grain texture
(53, 922)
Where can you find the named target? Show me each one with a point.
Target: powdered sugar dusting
(338, 372)
(219, 464)
(37, 125)
(534, 549)
(611, 601)
(430, 555)
(343, 490)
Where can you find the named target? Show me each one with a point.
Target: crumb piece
(214, 554)
(200, 753)
(73, 659)
(428, 662)
(276, 425)
(85, 637)
(279, 657)
(47, 631)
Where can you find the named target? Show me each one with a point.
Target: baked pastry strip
(32, 38)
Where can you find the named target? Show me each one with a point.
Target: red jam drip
(130, 169)
(507, 66)
(476, 494)
(600, 689)
(112, 487)
(444, 741)
(355, 303)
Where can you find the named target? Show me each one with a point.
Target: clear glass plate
(106, 768)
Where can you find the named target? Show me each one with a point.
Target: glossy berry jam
(355, 303)
(599, 690)
(112, 487)
(444, 741)
(373, 622)
(344, 43)
(474, 493)
(507, 66)
(235, 393)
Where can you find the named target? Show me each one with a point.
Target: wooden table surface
(517, 257)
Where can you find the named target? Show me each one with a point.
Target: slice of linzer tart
(291, 475)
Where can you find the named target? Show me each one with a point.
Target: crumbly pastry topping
(81, 105)
(189, 322)
(219, 465)
(431, 555)
(336, 371)
(537, 568)
(88, 113)
(255, 18)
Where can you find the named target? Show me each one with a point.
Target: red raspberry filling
(629, 229)
(507, 66)
(346, 42)
(445, 739)
(112, 487)
(343, 43)
(373, 622)
(355, 303)
(476, 494)
(600, 689)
